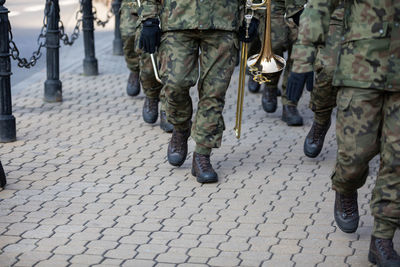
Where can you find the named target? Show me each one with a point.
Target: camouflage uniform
(151, 87)
(283, 35)
(188, 27)
(129, 18)
(309, 55)
(368, 119)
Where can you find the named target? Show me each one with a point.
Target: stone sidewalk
(89, 184)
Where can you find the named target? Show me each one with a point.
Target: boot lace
(348, 205)
(177, 140)
(152, 104)
(318, 132)
(204, 162)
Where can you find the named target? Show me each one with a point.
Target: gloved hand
(296, 82)
(252, 30)
(150, 35)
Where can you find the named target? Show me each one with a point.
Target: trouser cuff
(383, 229)
(182, 127)
(203, 150)
(322, 117)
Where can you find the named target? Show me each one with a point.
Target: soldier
(152, 89)
(312, 56)
(2, 176)
(368, 117)
(129, 18)
(284, 23)
(189, 27)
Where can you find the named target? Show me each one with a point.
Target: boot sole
(348, 231)
(202, 180)
(179, 163)
(291, 123)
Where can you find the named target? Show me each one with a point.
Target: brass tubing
(241, 84)
(155, 69)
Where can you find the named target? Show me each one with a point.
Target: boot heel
(371, 258)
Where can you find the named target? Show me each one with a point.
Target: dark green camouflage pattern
(369, 56)
(182, 67)
(368, 123)
(311, 55)
(194, 14)
(128, 23)
(368, 119)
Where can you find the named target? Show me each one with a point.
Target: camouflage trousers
(151, 87)
(323, 95)
(368, 123)
(128, 29)
(182, 65)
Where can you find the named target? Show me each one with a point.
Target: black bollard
(3, 180)
(7, 120)
(117, 43)
(90, 61)
(53, 86)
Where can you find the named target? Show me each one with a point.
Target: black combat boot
(150, 110)
(177, 147)
(269, 99)
(381, 253)
(315, 139)
(253, 86)
(3, 180)
(346, 212)
(291, 115)
(164, 124)
(202, 169)
(133, 87)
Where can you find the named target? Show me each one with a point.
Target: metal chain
(41, 41)
(75, 33)
(100, 22)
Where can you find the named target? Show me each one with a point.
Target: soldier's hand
(296, 82)
(252, 31)
(150, 35)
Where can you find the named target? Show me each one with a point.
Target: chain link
(75, 33)
(41, 41)
(101, 22)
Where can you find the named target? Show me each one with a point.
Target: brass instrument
(260, 65)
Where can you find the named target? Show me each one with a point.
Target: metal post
(3, 180)
(7, 120)
(90, 61)
(53, 86)
(117, 43)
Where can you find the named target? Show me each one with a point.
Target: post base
(7, 129)
(53, 91)
(117, 47)
(90, 67)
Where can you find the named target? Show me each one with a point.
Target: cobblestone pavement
(89, 184)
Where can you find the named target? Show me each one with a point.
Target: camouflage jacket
(310, 39)
(370, 49)
(193, 14)
(293, 6)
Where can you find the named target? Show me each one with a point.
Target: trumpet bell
(260, 67)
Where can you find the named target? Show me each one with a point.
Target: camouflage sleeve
(149, 9)
(294, 6)
(314, 24)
